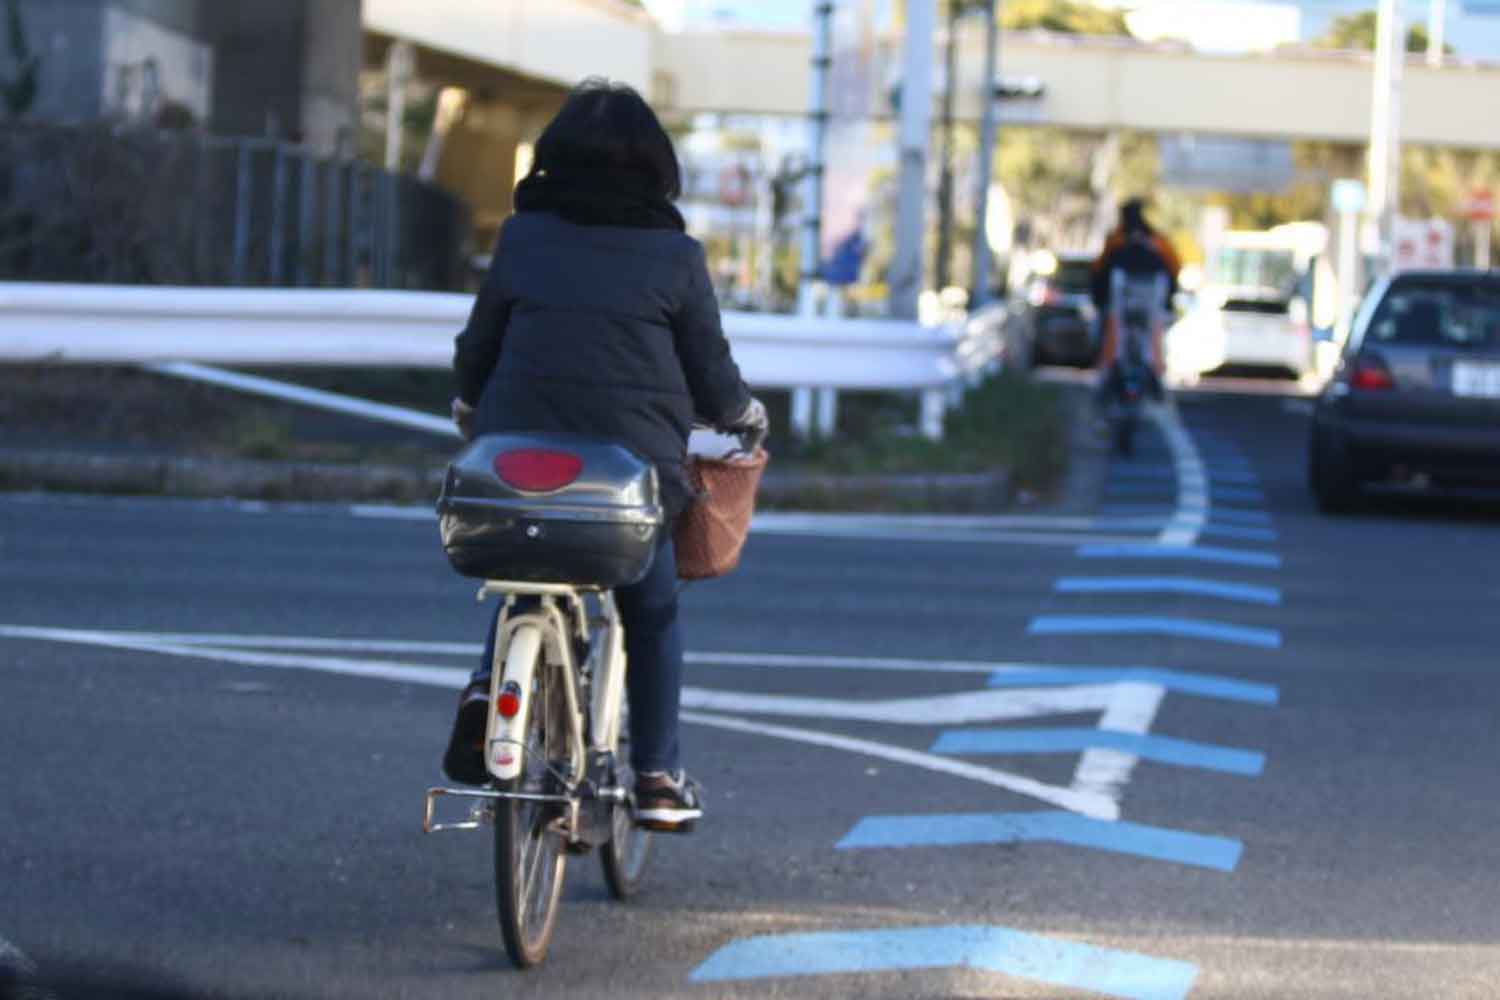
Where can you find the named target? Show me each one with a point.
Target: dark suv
(1416, 396)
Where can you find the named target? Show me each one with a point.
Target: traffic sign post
(1348, 197)
(1480, 210)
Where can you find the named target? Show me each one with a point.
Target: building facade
(281, 68)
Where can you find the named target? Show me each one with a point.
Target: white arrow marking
(1084, 803)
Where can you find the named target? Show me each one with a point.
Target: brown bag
(712, 531)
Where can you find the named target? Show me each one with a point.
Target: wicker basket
(712, 531)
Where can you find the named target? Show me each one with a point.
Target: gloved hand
(752, 425)
(463, 418)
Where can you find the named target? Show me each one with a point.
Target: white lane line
(968, 531)
(1023, 703)
(408, 673)
(758, 661)
(1132, 709)
(1191, 513)
(965, 707)
(1083, 803)
(332, 401)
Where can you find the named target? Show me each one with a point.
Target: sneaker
(667, 803)
(463, 762)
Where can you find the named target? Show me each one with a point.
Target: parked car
(1416, 394)
(1260, 329)
(1056, 313)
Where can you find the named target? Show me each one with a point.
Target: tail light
(1370, 374)
(1044, 294)
(537, 470)
(508, 705)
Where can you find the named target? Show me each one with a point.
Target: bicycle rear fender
(504, 752)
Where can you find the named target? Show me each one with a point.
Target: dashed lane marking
(1197, 553)
(1121, 837)
(1158, 625)
(1147, 746)
(1053, 961)
(1181, 585)
(1202, 685)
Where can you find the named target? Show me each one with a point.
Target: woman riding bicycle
(598, 317)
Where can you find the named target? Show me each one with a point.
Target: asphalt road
(1293, 720)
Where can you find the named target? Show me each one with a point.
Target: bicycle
(551, 523)
(1136, 311)
(573, 517)
(552, 744)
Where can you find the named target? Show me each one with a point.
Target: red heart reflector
(537, 470)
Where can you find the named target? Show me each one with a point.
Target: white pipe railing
(103, 324)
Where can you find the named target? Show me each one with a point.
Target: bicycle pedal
(661, 826)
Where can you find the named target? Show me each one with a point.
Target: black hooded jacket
(606, 330)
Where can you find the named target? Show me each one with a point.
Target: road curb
(200, 477)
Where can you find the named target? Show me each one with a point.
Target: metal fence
(107, 204)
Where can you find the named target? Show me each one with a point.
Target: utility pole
(979, 283)
(817, 137)
(1437, 23)
(1385, 129)
(400, 66)
(945, 175)
(916, 124)
(812, 198)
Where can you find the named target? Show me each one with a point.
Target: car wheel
(1330, 473)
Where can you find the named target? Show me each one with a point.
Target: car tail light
(1370, 374)
(537, 470)
(1044, 294)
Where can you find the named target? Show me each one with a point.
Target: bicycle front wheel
(529, 856)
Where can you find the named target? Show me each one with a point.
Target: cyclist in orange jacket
(1138, 249)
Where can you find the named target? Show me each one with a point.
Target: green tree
(19, 89)
(1072, 17)
(1357, 31)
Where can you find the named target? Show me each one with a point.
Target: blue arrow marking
(1137, 489)
(1236, 493)
(1202, 685)
(1237, 516)
(1119, 837)
(1054, 961)
(1240, 531)
(1162, 749)
(1197, 553)
(1245, 592)
(1186, 628)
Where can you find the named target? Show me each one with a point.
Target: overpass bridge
(1103, 84)
(518, 58)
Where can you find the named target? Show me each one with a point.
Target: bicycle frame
(544, 633)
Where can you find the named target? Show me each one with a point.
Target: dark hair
(1133, 216)
(608, 127)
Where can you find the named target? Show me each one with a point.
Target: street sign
(1422, 244)
(1225, 163)
(1348, 196)
(1479, 206)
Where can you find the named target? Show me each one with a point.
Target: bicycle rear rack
(481, 811)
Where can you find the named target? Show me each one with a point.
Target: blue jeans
(653, 649)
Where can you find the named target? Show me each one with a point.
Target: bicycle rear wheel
(529, 858)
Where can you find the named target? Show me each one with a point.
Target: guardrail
(815, 358)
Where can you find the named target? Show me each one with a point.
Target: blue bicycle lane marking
(1048, 959)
